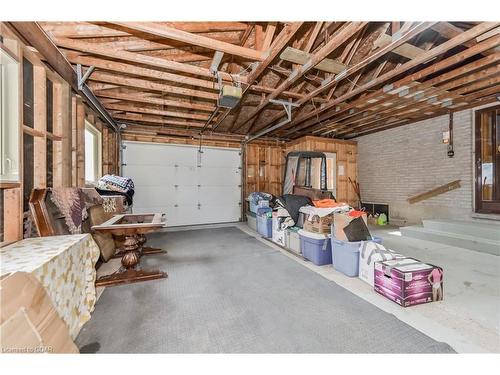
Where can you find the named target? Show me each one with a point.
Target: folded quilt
(115, 183)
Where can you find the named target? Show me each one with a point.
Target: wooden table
(134, 227)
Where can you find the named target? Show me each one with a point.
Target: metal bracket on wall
(82, 78)
(288, 109)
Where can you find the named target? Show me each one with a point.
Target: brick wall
(398, 163)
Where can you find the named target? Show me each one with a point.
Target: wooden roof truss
(348, 78)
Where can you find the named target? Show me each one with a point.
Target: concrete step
(490, 231)
(465, 241)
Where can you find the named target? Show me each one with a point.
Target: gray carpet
(229, 293)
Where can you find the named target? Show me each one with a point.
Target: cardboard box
(316, 224)
(342, 220)
(24, 300)
(406, 281)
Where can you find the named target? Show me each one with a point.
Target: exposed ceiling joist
(434, 52)
(342, 36)
(167, 32)
(156, 62)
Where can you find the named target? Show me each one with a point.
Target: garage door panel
(213, 157)
(147, 175)
(212, 176)
(158, 155)
(151, 195)
(219, 194)
(206, 194)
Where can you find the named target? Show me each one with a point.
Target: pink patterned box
(408, 281)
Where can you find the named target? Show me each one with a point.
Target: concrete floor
(469, 317)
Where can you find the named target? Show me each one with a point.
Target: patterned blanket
(73, 204)
(115, 183)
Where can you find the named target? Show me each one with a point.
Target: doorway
(487, 163)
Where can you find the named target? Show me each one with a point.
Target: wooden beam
(40, 126)
(155, 111)
(395, 27)
(162, 31)
(145, 72)
(406, 50)
(436, 51)
(80, 143)
(434, 192)
(412, 107)
(301, 57)
(37, 38)
(138, 58)
(141, 98)
(259, 37)
(338, 39)
(268, 37)
(312, 37)
(158, 120)
(149, 85)
(156, 74)
(411, 81)
(368, 60)
(279, 43)
(98, 29)
(476, 103)
(489, 34)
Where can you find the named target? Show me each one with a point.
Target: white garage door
(169, 179)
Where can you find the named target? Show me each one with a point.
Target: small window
(93, 158)
(9, 118)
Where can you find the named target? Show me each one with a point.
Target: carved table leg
(130, 272)
(143, 250)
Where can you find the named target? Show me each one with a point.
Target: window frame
(97, 154)
(11, 180)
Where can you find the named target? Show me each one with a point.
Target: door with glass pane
(487, 139)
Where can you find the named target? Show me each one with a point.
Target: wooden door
(487, 141)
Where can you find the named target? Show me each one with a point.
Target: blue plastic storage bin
(262, 204)
(264, 222)
(345, 255)
(316, 247)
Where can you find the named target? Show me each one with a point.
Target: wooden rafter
(279, 43)
(137, 58)
(157, 73)
(342, 36)
(458, 40)
(189, 38)
(415, 90)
